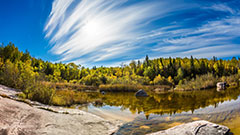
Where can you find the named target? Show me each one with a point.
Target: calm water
(165, 110)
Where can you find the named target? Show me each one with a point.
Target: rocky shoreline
(25, 118)
(28, 117)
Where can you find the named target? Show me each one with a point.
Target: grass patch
(70, 86)
(131, 88)
(70, 97)
(200, 82)
(120, 88)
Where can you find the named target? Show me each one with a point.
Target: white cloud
(222, 7)
(95, 31)
(218, 51)
(94, 27)
(57, 14)
(189, 41)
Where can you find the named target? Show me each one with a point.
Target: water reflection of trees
(167, 103)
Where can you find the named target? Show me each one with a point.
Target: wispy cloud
(210, 51)
(219, 51)
(57, 14)
(95, 27)
(103, 31)
(222, 7)
(214, 33)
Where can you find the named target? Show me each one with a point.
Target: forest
(22, 71)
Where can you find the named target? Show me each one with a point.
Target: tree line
(20, 67)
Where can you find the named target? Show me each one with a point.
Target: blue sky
(109, 32)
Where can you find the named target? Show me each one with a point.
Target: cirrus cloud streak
(93, 32)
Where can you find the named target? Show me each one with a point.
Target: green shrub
(69, 97)
(41, 93)
(22, 95)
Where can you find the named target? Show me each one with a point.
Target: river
(164, 110)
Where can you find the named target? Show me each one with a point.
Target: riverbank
(27, 118)
(30, 117)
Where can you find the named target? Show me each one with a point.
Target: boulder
(141, 93)
(103, 92)
(201, 127)
(221, 85)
